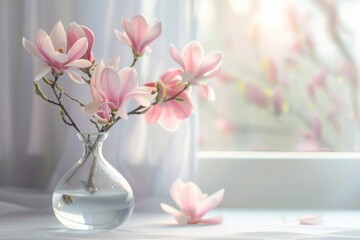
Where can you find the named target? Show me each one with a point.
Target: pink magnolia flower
(112, 90)
(193, 204)
(170, 113)
(138, 34)
(197, 67)
(75, 32)
(54, 50)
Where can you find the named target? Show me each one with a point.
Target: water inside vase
(105, 209)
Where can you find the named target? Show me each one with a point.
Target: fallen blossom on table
(308, 219)
(193, 204)
(312, 219)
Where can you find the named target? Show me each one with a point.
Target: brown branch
(187, 85)
(70, 97)
(86, 80)
(143, 109)
(96, 125)
(62, 106)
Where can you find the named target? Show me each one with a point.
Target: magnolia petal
(101, 119)
(140, 27)
(92, 107)
(170, 210)
(95, 92)
(58, 57)
(44, 44)
(168, 120)
(79, 63)
(42, 71)
(74, 76)
(58, 37)
(122, 113)
(91, 38)
(211, 62)
(311, 220)
(210, 203)
(192, 55)
(154, 33)
(31, 48)
(74, 33)
(141, 99)
(130, 32)
(43, 41)
(169, 75)
(213, 73)
(184, 108)
(96, 78)
(207, 92)
(122, 37)
(190, 199)
(111, 85)
(153, 114)
(176, 56)
(78, 49)
(128, 76)
(182, 219)
(104, 113)
(175, 192)
(213, 220)
(114, 62)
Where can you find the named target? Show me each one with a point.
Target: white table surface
(28, 215)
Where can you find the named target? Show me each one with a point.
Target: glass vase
(92, 194)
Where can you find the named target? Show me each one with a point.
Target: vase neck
(92, 144)
(92, 138)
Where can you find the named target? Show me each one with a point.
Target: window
(289, 81)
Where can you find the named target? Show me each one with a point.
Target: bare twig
(96, 125)
(53, 87)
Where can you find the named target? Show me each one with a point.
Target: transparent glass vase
(92, 194)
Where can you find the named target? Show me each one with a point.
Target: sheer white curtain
(36, 148)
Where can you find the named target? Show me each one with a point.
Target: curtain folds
(36, 148)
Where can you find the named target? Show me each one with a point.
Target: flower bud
(162, 91)
(39, 92)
